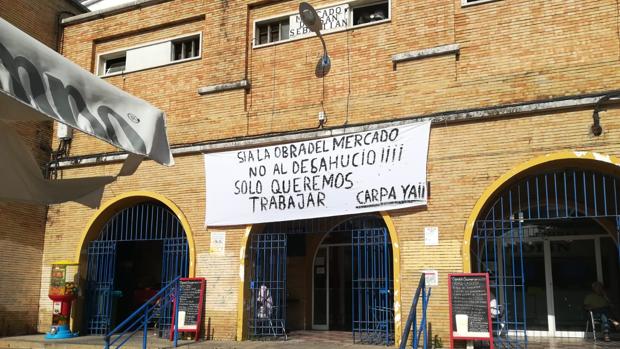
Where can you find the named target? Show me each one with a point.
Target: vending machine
(63, 291)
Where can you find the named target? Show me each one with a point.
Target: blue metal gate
(373, 313)
(101, 266)
(146, 221)
(371, 285)
(526, 210)
(175, 263)
(268, 285)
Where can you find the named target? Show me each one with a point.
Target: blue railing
(141, 318)
(412, 321)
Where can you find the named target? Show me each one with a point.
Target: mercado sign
(334, 17)
(375, 170)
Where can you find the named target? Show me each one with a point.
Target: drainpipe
(60, 37)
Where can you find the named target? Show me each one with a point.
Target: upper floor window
(186, 48)
(334, 18)
(370, 13)
(150, 55)
(474, 2)
(115, 65)
(272, 31)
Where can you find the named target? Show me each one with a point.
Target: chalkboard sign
(469, 301)
(189, 305)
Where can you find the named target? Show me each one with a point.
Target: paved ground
(298, 340)
(570, 343)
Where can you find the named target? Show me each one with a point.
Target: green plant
(437, 343)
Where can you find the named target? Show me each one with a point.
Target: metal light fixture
(596, 127)
(311, 19)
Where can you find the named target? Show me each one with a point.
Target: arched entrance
(352, 281)
(292, 274)
(133, 247)
(544, 235)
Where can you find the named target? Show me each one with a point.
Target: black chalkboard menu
(469, 295)
(190, 305)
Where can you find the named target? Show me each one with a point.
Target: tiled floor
(570, 343)
(321, 336)
(556, 343)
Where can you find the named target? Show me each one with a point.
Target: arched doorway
(544, 237)
(285, 266)
(353, 288)
(139, 249)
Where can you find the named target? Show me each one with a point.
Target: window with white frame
(272, 31)
(334, 18)
(474, 2)
(372, 12)
(115, 64)
(186, 48)
(150, 55)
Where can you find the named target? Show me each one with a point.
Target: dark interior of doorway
(573, 265)
(285, 258)
(340, 288)
(137, 276)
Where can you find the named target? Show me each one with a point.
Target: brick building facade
(22, 239)
(510, 87)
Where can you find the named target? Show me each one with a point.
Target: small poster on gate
(431, 277)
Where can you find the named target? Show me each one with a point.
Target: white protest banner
(375, 170)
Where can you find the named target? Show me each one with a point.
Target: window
(370, 13)
(474, 2)
(115, 65)
(335, 18)
(272, 31)
(154, 54)
(185, 48)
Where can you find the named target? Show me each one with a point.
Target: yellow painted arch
(594, 160)
(115, 205)
(396, 264)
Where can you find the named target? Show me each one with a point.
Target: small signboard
(431, 236)
(469, 302)
(332, 18)
(189, 305)
(431, 277)
(218, 243)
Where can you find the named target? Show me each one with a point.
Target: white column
(549, 288)
(599, 260)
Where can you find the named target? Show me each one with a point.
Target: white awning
(37, 83)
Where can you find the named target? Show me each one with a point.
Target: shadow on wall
(15, 323)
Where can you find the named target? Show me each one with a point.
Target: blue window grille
(147, 221)
(524, 210)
